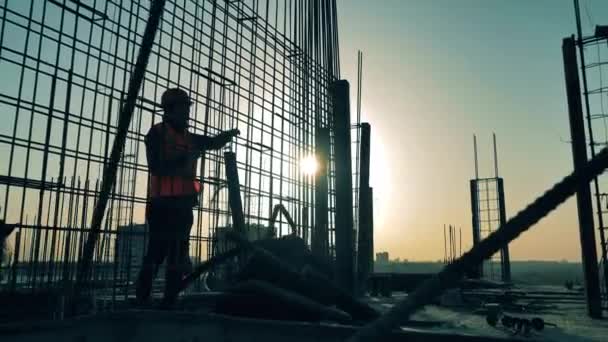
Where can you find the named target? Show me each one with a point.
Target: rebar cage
(593, 55)
(487, 203)
(262, 66)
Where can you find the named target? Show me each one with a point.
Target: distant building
(130, 248)
(382, 257)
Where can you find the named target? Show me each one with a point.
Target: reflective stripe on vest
(174, 186)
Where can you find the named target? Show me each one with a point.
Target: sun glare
(309, 165)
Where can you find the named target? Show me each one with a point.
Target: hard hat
(172, 96)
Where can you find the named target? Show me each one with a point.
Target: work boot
(173, 280)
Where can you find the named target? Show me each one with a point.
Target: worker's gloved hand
(233, 132)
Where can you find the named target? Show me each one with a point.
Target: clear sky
(435, 73)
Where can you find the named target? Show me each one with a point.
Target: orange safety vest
(174, 186)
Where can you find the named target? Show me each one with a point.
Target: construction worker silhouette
(172, 154)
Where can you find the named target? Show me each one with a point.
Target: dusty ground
(570, 316)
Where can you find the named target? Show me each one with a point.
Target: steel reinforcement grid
(262, 66)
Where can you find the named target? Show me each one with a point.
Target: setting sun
(309, 165)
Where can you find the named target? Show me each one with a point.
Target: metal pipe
(475, 156)
(445, 246)
(280, 208)
(495, 155)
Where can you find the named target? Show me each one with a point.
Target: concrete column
(365, 213)
(344, 186)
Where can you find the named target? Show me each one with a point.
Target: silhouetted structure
(592, 108)
(345, 260)
(365, 248)
(488, 214)
(583, 194)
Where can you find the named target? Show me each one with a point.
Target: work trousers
(169, 230)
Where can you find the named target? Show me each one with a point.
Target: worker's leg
(156, 252)
(186, 261)
(177, 253)
(184, 250)
(188, 268)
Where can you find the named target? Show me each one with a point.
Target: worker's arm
(203, 142)
(166, 166)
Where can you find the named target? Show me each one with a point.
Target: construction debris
(304, 280)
